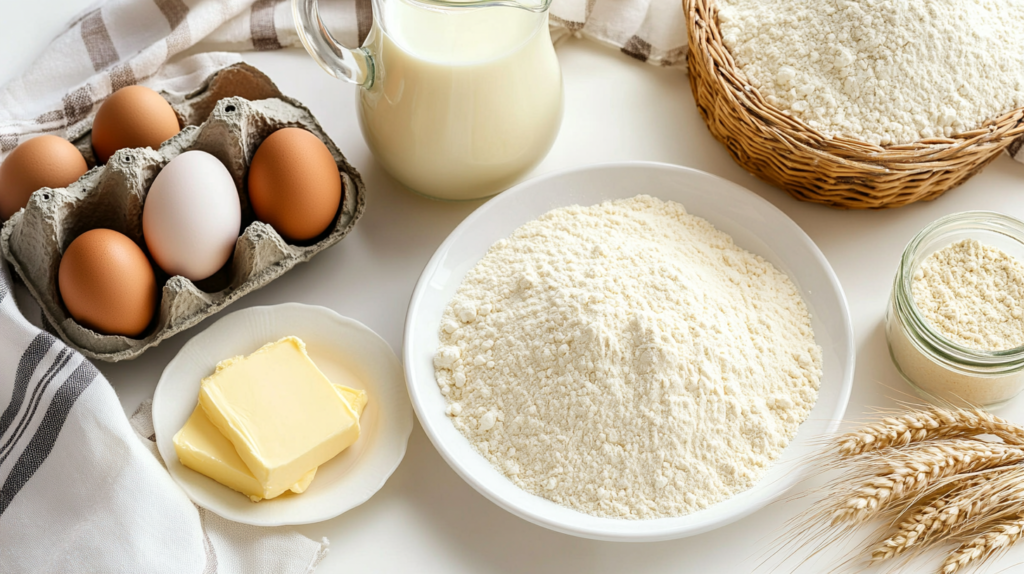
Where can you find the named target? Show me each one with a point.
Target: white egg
(192, 216)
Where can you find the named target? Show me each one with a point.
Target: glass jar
(939, 369)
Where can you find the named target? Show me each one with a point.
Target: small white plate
(754, 224)
(345, 350)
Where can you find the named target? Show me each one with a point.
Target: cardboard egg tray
(217, 120)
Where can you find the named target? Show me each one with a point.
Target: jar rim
(911, 314)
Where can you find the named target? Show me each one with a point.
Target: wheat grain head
(952, 510)
(900, 473)
(927, 424)
(999, 536)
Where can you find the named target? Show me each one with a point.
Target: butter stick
(280, 413)
(201, 447)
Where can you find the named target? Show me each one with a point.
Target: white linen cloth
(122, 42)
(81, 491)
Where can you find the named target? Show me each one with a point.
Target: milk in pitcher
(463, 103)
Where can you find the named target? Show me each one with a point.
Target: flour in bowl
(882, 71)
(627, 360)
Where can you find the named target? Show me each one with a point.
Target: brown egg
(134, 116)
(294, 184)
(43, 161)
(107, 283)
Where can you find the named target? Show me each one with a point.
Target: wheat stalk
(925, 523)
(999, 536)
(899, 474)
(929, 424)
(931, 477)
(953, 510)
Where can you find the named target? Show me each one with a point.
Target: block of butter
(201, 447)
(356, 398)
(281, 414)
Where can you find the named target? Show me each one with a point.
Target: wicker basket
(839, 171)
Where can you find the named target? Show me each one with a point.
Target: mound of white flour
(882, 71)
(627, 360)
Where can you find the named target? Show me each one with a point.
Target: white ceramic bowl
(343, 349)
(754, 224)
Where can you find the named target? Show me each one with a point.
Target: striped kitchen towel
(81, 491)
(124, 42)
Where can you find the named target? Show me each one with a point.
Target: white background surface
(426, 519)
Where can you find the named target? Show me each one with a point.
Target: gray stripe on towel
(261, 25)
(638, 48)
(97, 41)
(8, 142)
(63, 357)
(30, 359)
(78, 104)
(364, 18)
(176, 12)
(121, 76)
(46, 435)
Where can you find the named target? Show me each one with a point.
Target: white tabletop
(426, 518)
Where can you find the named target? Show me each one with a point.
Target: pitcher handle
(354, 66)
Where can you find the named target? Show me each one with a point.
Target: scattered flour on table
(882, 71)
(627, 360)
(973, 294)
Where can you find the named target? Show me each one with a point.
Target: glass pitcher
(459, 99)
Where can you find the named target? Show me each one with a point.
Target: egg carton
(111, 196)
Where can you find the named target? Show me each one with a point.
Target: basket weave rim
(924, 154)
